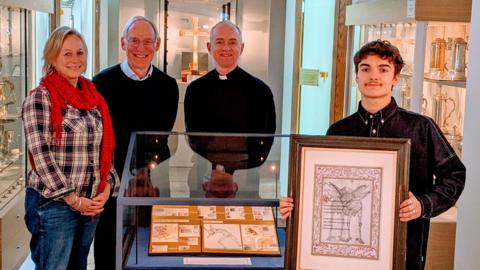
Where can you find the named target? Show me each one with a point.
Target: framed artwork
(347, 192)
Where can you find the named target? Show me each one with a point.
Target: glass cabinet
(12, 92)
(197, 172)
(434, 46)
(18, 65)
(433, 38)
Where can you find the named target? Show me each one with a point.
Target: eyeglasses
(135, 42)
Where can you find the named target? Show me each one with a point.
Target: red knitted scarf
(86, 97)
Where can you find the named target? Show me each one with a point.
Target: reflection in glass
(150, 152)
(228, 154)
(205, 166)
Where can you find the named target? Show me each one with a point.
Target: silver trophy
(7, 96)
(6, 138)
(405, 98)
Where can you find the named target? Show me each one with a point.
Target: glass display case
(196, 170)
(12, 92)
(434, 46)
(17, 75)
(432, 37)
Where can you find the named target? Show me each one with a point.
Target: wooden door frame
(337, 100)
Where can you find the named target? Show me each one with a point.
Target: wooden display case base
(441, 246)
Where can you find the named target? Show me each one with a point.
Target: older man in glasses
(140, 98)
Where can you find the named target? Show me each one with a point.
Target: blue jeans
(61, 237)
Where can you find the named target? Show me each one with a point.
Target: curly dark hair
(384, 49)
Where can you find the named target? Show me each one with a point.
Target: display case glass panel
(13, 68)
(191, 170)
(19, 58)
(187, 31)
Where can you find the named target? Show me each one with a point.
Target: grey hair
(229, 23)
(54, 44)
(135, 19)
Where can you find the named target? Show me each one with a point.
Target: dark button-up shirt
(437, 176)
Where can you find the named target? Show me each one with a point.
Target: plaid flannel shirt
(70, 166)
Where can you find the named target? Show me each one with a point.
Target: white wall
(276, 56)
(127, 9)
(253, 19)
(109, 36)
(467, 246)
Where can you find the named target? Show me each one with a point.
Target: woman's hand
(95, 205)
(71, 199)
(83, 205)
(286, 207)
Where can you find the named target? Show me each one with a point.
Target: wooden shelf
(407, 11)
(460, 83)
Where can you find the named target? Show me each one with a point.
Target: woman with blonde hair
(70, 144)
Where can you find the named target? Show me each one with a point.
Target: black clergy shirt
(239, 104)
(235, 103)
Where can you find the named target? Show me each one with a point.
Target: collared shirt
(437, 176)
(431, 154)
(74, 164)
(131, 74)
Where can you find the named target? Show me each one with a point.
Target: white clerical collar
(224, 77)
(129, 72)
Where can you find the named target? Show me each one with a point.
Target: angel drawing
(342, 204)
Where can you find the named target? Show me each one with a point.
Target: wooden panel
(395, 11)
(441, 246)
(339, 59)
(297, 64)
(443, 10)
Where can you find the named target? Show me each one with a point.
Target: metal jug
(437, 58)
(439, 111)
(457, 60)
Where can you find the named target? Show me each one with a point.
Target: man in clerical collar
(225, 46)
(230, 100)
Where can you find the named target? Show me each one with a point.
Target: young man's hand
(286, 207)
(410, 208)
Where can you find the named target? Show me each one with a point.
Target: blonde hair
(53, 46)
